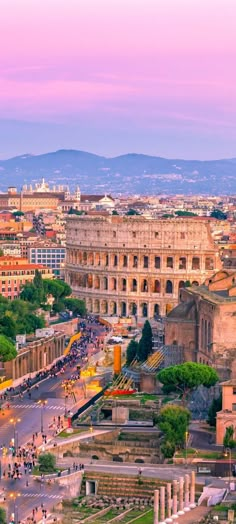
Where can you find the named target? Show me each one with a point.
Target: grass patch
(145, 518)
(37, 472)
(64, 434)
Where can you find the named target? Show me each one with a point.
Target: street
(23, 418)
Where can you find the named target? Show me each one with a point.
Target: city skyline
(116, 77)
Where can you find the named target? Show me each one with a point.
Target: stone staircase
(123, 485)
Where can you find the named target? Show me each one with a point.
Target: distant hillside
(126, 174)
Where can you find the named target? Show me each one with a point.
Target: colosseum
(136, 266)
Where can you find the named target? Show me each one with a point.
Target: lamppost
(42, 403)
(14, 515)
(228, 451)
(186, 444)
(14, 421)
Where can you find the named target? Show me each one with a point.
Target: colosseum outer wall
(136, 266)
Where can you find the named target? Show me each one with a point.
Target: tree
(187, 377)
(131, 351)
(57, 288)
(73, 211)
(185, 214)
(173, 421)
(145, 343)
(229, 441)
(132, 212)
(75, 305)
(3, 517)
(115, 213)
(215, 406)
(1, 252)
(218, 214)
(8, 326)
(7, 349)
(47, 462)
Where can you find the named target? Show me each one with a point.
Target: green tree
(7, 349)
(57, 288)
(229, 441)
(1, 252)
(75, 305)
(215, 406)
(115, 213)
(73, 211)
(132, 212)
(218, 214)
(8, 326)
(3, 517)
(145, 343)
(47, 462)
(185, 214)
(173, 421)
(131, 352)
(187, 377)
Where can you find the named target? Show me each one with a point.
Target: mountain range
(126, 174)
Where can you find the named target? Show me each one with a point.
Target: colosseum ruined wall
(136, 266)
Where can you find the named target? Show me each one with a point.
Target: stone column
(192, 490)
(156, 506)
(175, 500)
(181, 496)
(186, 494)
(162, 504)
(169, 502)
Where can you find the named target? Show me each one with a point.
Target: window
(157, 286)
(233, 407)
(125, 261)
(196, 263)
(169, 262)
(234, 391)
(145, 261)
(135, 261)
(115, 260)
(134, 285)
(114, 234)
(169, 287)
(156, 234)
(182, 263)
(134, 234)
(182, 235)
(157, 262)
(209, 263)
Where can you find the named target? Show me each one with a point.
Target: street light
(14, 421)
(42, 403)
(228, 451)
(14, 515)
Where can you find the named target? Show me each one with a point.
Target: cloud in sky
(115, 66)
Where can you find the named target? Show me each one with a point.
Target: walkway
(194, 516)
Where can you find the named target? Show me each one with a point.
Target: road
(29, 416)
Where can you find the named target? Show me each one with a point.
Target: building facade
(15, 272)
(35, 356)
(227, 416)
(49, 254)
(136, 266)
(204, 323)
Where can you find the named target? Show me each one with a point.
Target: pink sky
(149, 75)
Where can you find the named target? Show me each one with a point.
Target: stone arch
(105, 283)
(125, 261)
(209, 263)
(96, 306)
(195, 263)
(95, 457)
(123, 309)
(169, 287)
(195, 283)
(89, 305)
(123, 284)
(90, 258)
(97, 259)
(115, 260)
(113, 308)
(133, 308)
(144, 286)
(181, 284)
(113, 284)
(85, 258)
(134, 285)
(90, 280)
(104, 307)
(144, 307)
(157, 286)
(96, 282)
(156, 310)
(139, 460)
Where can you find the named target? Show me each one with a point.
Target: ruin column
(192, 490)
(175, 500)
(156, 506)
(169, 502)
(181, 496)
(162, 504)
(186, 494)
